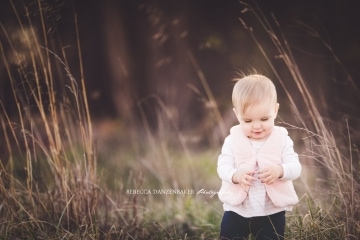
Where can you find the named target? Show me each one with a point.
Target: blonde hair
(252, 89)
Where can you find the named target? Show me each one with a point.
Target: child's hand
(271, 173)
(243, 177)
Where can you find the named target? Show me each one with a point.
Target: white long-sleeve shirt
(257, 202)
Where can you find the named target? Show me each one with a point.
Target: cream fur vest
(281, 192)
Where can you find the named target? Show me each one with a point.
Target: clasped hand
(268, 175)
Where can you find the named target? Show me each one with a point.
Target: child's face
(258, 120)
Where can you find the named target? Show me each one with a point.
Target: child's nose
(256, 125)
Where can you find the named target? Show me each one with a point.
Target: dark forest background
(138, 53)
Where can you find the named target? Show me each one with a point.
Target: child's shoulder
(280, 130)
(235, 129)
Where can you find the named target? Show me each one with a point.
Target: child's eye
(247, 121)
(264, 119)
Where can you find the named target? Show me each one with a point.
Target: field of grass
(65, 176)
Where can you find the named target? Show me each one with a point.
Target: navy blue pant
(234, 226)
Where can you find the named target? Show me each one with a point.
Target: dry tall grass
(51, 186)
(48, 178)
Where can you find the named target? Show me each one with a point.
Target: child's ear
(235, 112)
(237, 117)
(277, 108)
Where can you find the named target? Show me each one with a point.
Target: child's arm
(226, 163)
(291, 164)
(226, 167)
(290, 168)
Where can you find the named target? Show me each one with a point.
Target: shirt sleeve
(291, 164)
(226, 161)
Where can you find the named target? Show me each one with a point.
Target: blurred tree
(149, 56)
